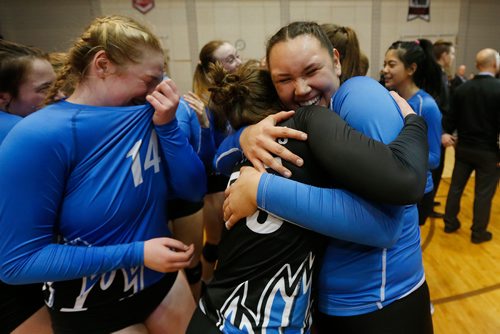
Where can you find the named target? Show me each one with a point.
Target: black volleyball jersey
(264, 274)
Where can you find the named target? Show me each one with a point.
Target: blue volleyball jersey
(99, 178)
(424, 105)
(7, 122)
(205, 141)
(374, 264)
(201, 139)
(228, 154)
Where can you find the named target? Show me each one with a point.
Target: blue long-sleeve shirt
(356, 279)
(379, 259)
(7, 122)
(97, 176)
(205, 141)
(424, 105)
(201, 139)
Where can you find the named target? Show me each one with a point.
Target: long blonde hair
(201, 81)
(123, 39)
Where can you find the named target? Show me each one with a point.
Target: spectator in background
(25, 76)
(475, 115)
(364, 64)
(410, 69)
(444, 52)
(459, 78)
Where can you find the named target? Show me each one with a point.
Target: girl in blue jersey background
(86, 213)
(25, 76)
(224, 53)
(369, 282)
(411, 70)
(197, 122)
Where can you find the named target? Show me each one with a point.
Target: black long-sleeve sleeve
(392, 174)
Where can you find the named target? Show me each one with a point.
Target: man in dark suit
(458, 79)
(475, 115)
(444, 52)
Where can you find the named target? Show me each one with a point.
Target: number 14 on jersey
(152, 158)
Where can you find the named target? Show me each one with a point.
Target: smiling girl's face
(303, 72)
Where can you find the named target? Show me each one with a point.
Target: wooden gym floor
(463, 278)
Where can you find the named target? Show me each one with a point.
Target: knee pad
(210, 252)
(193, 275)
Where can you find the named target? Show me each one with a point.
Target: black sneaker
(479, 237)
(435, 214)
(451, 228)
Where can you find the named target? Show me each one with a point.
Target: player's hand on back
(259, 144)
(241, 196)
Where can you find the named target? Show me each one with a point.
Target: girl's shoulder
(427, 99)
(423, 103)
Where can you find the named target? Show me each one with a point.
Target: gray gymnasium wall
(184, 26)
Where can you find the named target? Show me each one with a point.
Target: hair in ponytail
(201, 81)
(345, 41)
(427, 76)
(243, 97)
(123, 39)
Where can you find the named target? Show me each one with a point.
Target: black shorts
(201, 324)
(409, 315)
(110, 317)
(216, 183)
(18, 303)
(178, 208)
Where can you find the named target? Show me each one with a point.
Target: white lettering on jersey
(133, 280)
(260, 222)
(136, 162)
(152, 158)
(263, 223)
(282, 141)
(48, 285)
(87, 285)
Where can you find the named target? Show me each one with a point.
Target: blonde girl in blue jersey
(85, 182)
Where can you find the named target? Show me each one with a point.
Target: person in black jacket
(475, 115)
(444, 52)
(458, 79)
